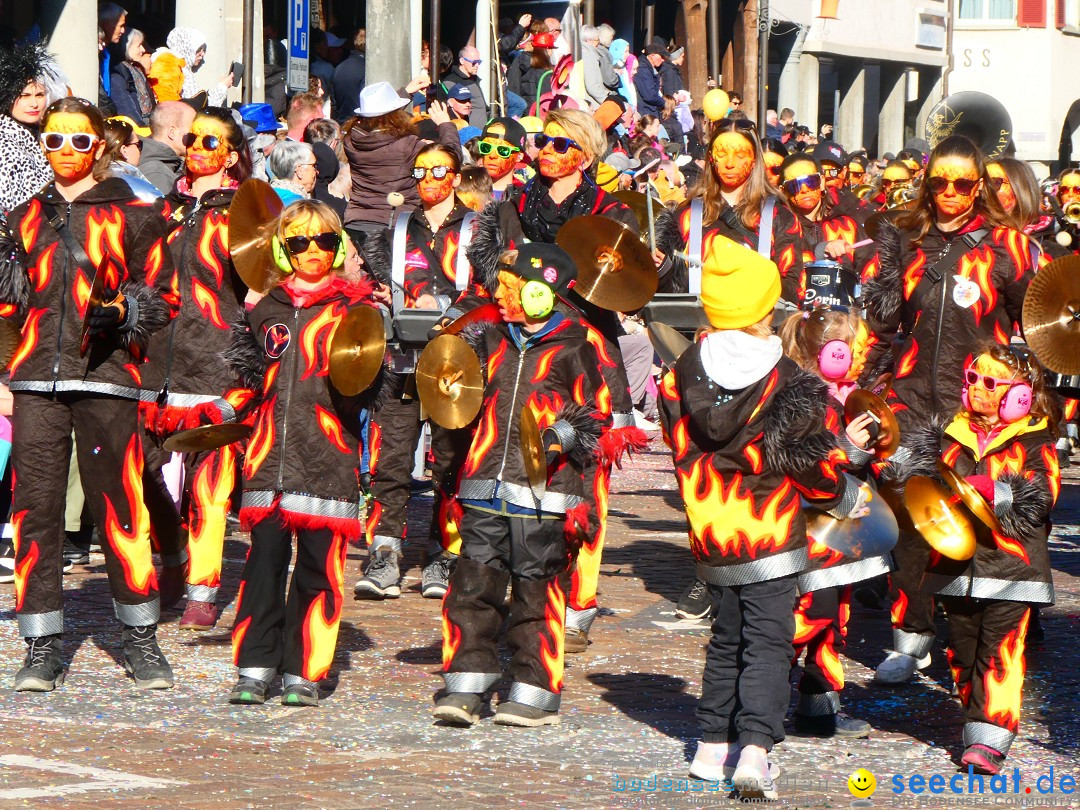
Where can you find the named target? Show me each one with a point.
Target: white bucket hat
(379, 99)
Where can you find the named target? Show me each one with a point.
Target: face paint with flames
(200, 161)
(67, 162)
(980, 400)
(433, 190)
(772, 163)
(1005, 193)
(497, 167)
(805, 199)
(508, 297)
(951, 203)
(1069, 188)
(314, 263)
(732, 158)
(552, 164)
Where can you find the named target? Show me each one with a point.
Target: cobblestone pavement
(628, 709)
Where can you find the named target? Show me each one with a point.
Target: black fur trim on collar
(795, 437)
(883, 294)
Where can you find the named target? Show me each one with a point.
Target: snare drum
(830, 284)
(1068, 385)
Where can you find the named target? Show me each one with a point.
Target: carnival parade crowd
(171, 267)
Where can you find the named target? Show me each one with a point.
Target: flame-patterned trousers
(912, 609)
(209, 481)
(295, 635)
(986, 657)
(820, 628)
(531, 555)
(111, 466)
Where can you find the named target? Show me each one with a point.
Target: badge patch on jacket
(277, 340)
(966, 292)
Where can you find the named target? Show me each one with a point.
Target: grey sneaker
(435, 578)
(144, 660)
(459, 708)
(43, 669)
(249, 692)
(511, 713)
(382, 577)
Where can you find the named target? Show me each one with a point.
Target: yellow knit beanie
(739, 287)
(607, 177)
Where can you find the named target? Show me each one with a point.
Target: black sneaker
(43, 669)
(511, 713)
(144, 660)
(7, 562)
(831, 725)
(74, 554)
(249, 692)
(696, 602)
(382, 577)
(300, 694)
(459, 708)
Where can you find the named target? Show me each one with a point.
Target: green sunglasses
(501, 149)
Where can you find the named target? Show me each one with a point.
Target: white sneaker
(755, 777)
(714, 762)
(900, 668)
(641, 422)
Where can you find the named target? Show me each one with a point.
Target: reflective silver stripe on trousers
(77, 386)
(484, 489)
(257, 499)
(295, 680)
(987, 588)
(534, 696)
(385, 541)
(200, 593)
(138, 615)
(845, 573)
(913, 644)
(475, 682)
(188, 400)
(774, 567)
(622, 420)
(818, 705)
(35, 625)
(581, 619)
(174, 560)
(319, 507)
(264, 674)
(996, 737)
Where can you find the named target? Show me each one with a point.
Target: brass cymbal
(357, 350)
(869, 536)
(882, 385)
(936, 514)
(638, 203)
(532, 450)
(449, 382)
(863, 190)
(485, 313)
(206, 437)
(95, 299)
(10, 338)
(615, 270)
(970, 496)
(668, 343)
(861, 401)
(253, 215)
(1051, 315)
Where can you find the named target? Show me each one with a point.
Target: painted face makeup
(999, 181)
(981, 400)
(1069, 188)
(833, 175)
(67, 162)
(772, 166)
(508, 297)
(314, 262)
(806, 199)
(950, 200)
(554, 165)
(495, 164)
(732, 159)
(202, 160)
(433, 190)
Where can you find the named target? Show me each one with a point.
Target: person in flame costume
(1002, 441)
(951, 277)
(187, 374)
(831, 343)
(301, 464)
(839, 194)
(84, 222)
(748, 437)
(540, 358)
(571, 143)
(501, 147)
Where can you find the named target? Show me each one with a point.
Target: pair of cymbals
(667, 342)
(872, 535)
(887, 429)
(936, 512)
(639, 204)
(206, 437)
(532, 451)
(1051, 315)
(615, 270)
(357, 350)
(253, 216)
(449, 382)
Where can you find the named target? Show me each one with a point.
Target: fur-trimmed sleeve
(578, 428)
(918, 454)
(1025, 511)
(244, 355)
(475, 334)
(488, 242)
(883, 295)
(674, 273)
(14, 280)
(794, 426)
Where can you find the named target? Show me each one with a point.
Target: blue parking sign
(299, 43)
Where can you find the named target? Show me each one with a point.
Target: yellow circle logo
(861, 783)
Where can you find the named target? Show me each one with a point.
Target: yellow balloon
(862, 783)
(716, 104)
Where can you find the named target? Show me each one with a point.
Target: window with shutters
(983, 10)
(1031, 14)
(1068, 15)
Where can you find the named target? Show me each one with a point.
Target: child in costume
(301, 464)
(747, 430)
(540, 358)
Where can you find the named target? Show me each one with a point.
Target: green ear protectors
(537, 299)
(283, 259)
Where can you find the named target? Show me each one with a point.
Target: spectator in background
(326, 171)
(163, 152)
(625, 64)
(349, 78)
(275, 65)
(670, 79)
(24, 169)
(647, 81)
(111, 22)
(303, 109)
(328, 131)
(787, 117)
(463, 74)
(130, 88)
(293, 167)
(772, 125)
(600, 78)
(172, 71)
(508, 45)
(123, 150)
(319, 65)
(530, 66)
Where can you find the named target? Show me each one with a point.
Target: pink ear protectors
(1016, 404)
(834, 360)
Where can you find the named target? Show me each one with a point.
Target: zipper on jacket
(288, 397)
(510, 419)
(163, 395)
(63, 310)
(937, 342)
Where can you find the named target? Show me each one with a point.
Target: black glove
(552, 446)
(108, 317)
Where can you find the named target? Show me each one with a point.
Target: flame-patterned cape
(944, 323)
(1013, 564)
(742, 459)
(303, 457)
(49, 293)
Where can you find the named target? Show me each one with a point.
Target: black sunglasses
(137, 144)
(997, 182)
(811, 181)
(501, 149)
(324, 241)
(964, 185)
(558, 143)
(438, 172)
(209, 142)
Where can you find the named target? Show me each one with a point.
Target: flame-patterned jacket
(186, 359)
(49, 293)
(836, 224)
(673, 235)
(1021, 459)
(945, 321)
(303, 456)
(558, 377)
(431, 263)
(743, 458)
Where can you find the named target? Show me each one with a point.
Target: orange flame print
(1004, 678)
(211, 489)
(543, 365)
(132, 544)
(214, 242)
(951, 454)
(80, 291)
(805, 627)
(240, 629)
(155, 259)
(495, 360)
(451, 636)
(104, 228)
(752, 453)
(30, 225)
(597, 341)
(320, 632)
(899, 609)
(375, 442)
(26, 565)
(680, 438)
(486, 434)
(1012, 461)
(908, 360)
(829, 662)
(965, 688)
(976, 265)
(551, 642)
(317, 335)
(770, 386)
(29, 339)
(1053, 472)
(913, 273)
(842, 228)
(207, 303)
(271, 376)
(545, 408)
(1011, 545)
(331, 427)
(41, 272)
(262, 439)
(579, 389)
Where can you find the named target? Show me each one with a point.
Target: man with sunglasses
(502, 149)
(464, 74)
(838, 196)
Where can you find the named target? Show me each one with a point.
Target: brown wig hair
(805, 333)
(234, 142)
(1025, 369)
(396, 124)
(1025, 188)
(921, 216)
(756, 189)
(80, 106)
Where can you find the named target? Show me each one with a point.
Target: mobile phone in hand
(237, 71)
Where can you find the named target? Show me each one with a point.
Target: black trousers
(912, 609)
(744, 689)
(111, 467)
(295, 635)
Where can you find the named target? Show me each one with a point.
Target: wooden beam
(694, 14)
(748, 26)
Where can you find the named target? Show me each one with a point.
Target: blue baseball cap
(260, 117)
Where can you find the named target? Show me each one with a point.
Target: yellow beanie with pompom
(739, 286)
